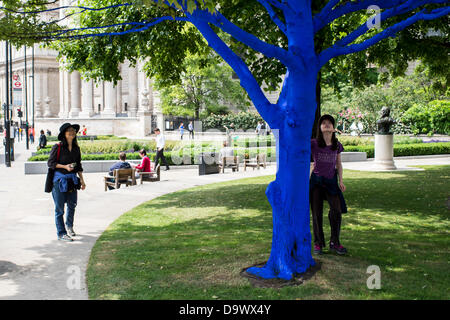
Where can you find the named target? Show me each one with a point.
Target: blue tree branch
(327, 15)
(406, 7)
(278, 4)
(270, 112)
(273, 15)
(67, 7)
(269, 50)
(320, 19)
(335, 50)
(140, 26)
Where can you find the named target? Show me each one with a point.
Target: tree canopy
(99, 57)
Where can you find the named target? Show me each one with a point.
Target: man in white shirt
(160, 143)
(191, 130)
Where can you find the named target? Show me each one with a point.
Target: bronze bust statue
(384, 124)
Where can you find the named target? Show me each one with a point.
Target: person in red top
(145, 165)
(84, 131)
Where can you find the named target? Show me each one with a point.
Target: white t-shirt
(160, 141)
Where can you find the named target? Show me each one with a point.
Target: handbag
(51, 174)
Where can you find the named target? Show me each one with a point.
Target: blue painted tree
(293, 114)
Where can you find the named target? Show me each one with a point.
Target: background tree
(206, 85)
(293, 115)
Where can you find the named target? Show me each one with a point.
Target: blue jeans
(60, 199)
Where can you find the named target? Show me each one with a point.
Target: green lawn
(193, 244)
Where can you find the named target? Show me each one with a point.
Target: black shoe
(339, 249)
(317, 249)
(166, 169)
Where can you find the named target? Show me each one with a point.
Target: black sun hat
(66, 126)
(326, 117)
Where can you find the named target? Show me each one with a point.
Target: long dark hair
(321, 141)
(66, 144)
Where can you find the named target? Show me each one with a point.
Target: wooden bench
(121, 176)
(259, 161)
(229, 162)
(151, 176)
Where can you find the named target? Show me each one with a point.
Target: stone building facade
(126, 109)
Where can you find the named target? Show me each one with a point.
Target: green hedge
(80, 137)
(403, 150)
(180, 153)
(399, 151)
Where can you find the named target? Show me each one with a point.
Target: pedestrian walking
(258, 128)
(181, 127)
(160, 144)
(191, 130)
(65, 163)
(42, 140)
(31, 134)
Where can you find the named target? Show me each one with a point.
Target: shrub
(242, 120)
(439, 111)
(428, 119)
(411, 149)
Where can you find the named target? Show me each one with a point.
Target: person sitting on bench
(122, 164)
(226, 151)
(145, 165)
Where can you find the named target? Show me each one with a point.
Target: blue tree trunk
(289, 193)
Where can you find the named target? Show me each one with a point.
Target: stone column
(38, 93)
(119, 106)
(45, 95)
(61, 94)
(64, 94)
(158, 111)
(87, 99)
(75, 94)
(141, 85)
(132, 92)
(110, 100)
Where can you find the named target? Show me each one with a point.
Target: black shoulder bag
(51, 174)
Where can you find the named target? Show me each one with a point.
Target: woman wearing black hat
(324, 184)
(65, 160)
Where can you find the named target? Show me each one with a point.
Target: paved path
(34, 265)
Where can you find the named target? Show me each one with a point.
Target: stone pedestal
(384, 152)
(47, 110)
(38, 110)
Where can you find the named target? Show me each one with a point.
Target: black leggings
(319, 194)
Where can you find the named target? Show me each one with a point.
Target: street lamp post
(7, 123)
(32, 84)
(26, 99)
